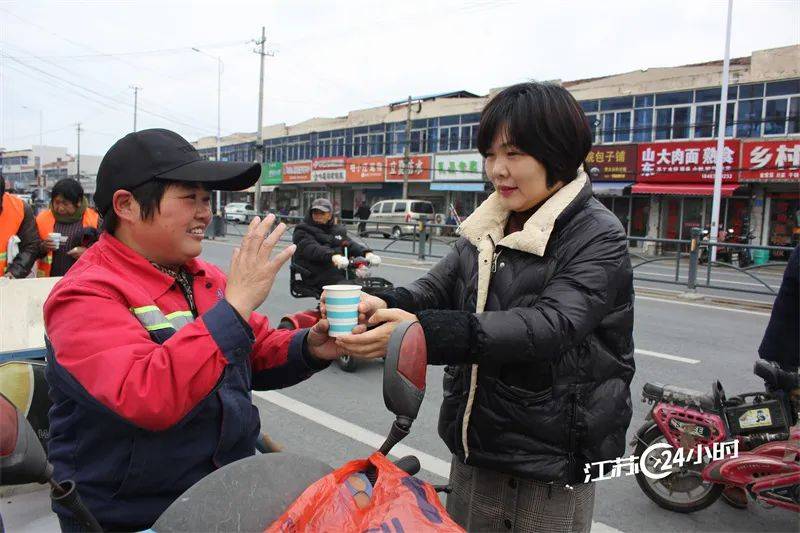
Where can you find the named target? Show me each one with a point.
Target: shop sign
(458, 167)
(771, 161)
(271, 173)
(328, 170)
(297, 172)
(687, 162)
(612, 163)
(365, 169)
(419, 168)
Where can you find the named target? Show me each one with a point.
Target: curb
(705, 298)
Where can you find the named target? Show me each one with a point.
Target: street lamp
(219, 106)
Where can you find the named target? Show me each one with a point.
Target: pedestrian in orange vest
(67, 228)
(16, 219)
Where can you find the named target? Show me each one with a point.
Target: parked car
(239, 212)
(392, 216)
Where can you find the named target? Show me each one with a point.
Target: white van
(393, 216)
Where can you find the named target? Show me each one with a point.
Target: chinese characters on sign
(687, 162)
(771, 161)
(271, 173)
(658, 460)
(459, 167)
(328, 170)
(419, 168)
(365, 169)
(613, 163)
(297, 172)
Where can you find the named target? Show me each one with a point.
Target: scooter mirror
(22, 458)
(405, 370)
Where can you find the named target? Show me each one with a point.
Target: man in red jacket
(153, 352)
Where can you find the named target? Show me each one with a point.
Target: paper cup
(55, 237)
(341, 304)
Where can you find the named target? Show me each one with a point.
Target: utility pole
(407, 151)
(723, 113)
(136, 90)
(259, 134)
(79, 151)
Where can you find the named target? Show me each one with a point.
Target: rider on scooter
(321, 247)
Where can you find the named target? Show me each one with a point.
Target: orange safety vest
(46, 222)
(10, 221)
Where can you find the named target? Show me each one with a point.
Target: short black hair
(148, 195)
(543, 120)
(69, 189)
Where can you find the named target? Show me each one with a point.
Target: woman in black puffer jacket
(532, 312)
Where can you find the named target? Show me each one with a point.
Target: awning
(463, 187)
(683, 189)
(610, 188)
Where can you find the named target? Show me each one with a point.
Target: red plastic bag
(399, 503)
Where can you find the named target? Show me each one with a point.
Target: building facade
(652, 163)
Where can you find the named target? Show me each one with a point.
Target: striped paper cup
(341, 304)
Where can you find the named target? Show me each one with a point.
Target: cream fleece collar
(489, 219)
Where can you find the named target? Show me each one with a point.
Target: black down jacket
(536, 330)
(316, 246)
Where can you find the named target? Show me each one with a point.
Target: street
(336, 416)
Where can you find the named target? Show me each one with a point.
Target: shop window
(704, 122)
(643, 125)
(775, 117)
(780, 88)
(794, 115)
(749, 118)
(589, 106)
(680, 123)
(640, 216)
(622, 131)
(784, 222)
(608, 127)
(663, 123)
(674, 98)
(376, 144)
(692, 216)
(645, 100)
(360, 145)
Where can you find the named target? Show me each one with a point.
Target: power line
(126, 104)
(112, 55)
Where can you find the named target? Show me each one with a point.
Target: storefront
(773, 170)
(612, 170)
(681, 176)
(461, 180)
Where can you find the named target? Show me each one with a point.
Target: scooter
(357, 273)
(684, 458)
(251, 494)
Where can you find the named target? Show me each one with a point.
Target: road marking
(702, 306)
(668, 356)
(373, 440)
(428, 462)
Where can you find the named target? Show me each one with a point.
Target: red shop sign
(686, 162)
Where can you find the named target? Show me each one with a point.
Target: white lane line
(373, 440)
(717, 280)
(668, 356)
(428, 462)
(702, 306)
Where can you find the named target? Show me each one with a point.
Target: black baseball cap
(156, 154)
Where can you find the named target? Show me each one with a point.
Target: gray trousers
(484, 500)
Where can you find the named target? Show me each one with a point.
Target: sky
(75, 62)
